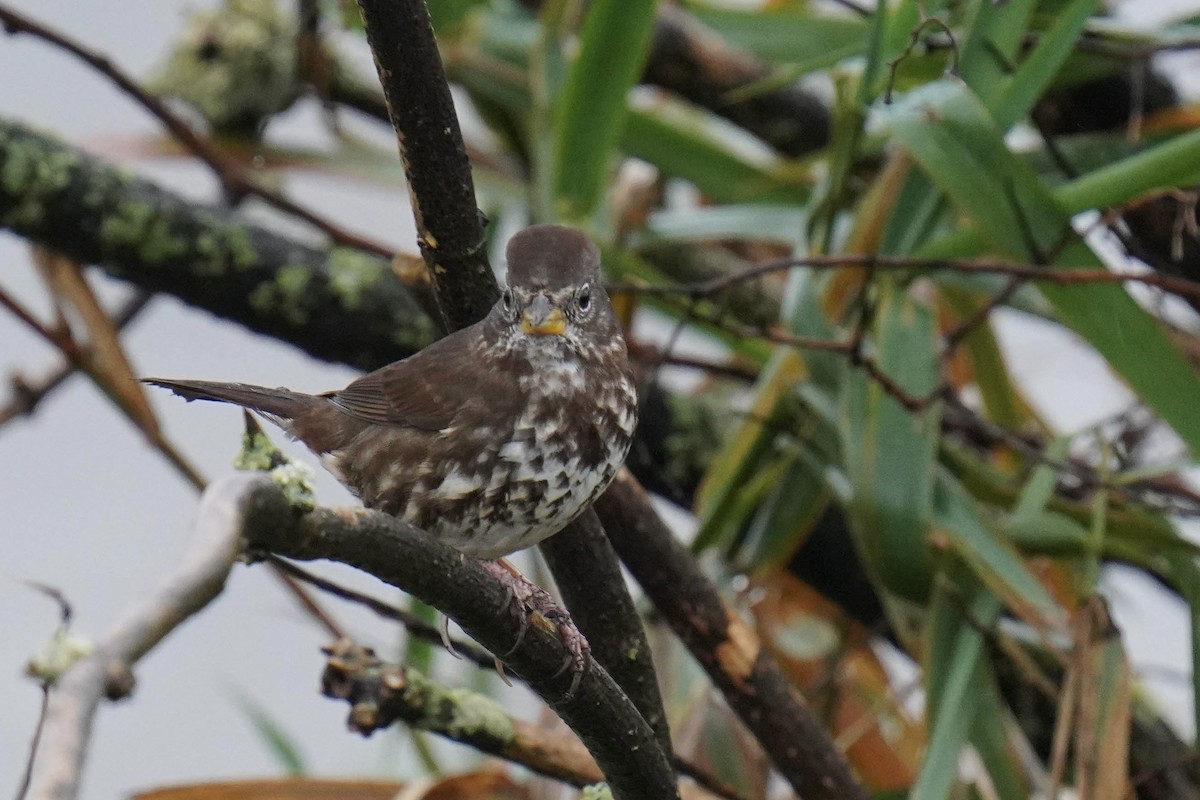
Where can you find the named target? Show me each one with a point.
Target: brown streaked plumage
(498, 435)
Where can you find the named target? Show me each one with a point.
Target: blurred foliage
(955, 134)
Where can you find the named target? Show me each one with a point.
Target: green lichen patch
(33, 175)
(236, 65)
(460, 713)
(137, 226)
(286, 295)
(596, 791)
(352, 274)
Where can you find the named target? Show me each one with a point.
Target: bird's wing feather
(427, 390)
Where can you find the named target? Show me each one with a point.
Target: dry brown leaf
(282, 789)
(108, 365)
(830, 660)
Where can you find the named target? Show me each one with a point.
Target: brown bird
(496, 436)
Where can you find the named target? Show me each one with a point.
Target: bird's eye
(584, 298)
(507, 298)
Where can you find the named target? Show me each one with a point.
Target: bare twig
(196, 581)
(1034, 274)
(235, 180)
(411, 622)
(27, 396)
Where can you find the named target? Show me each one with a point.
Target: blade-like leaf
(590, 111)
(950, 133)
(991, 558)
(889, 450)
(954, 667)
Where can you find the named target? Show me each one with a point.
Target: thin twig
(1034, 274)
(411, 622)
(26, 397)
(235, 180)
(27, 776)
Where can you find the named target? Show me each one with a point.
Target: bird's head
(554, 300)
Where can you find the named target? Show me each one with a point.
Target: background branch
(60, 197)
(107, 671)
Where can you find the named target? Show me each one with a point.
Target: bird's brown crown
(551, 257)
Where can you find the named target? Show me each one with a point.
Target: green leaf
(889, 450)
(787, 36)
(950, 134)
(281, 745)
(590, 111)
(721, 159)
(1021, 89)
(737, 478)
(990, 557)
(954, 667)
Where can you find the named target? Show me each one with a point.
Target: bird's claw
(526, 596)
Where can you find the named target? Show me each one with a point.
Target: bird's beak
(541, 318)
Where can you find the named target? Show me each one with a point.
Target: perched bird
(496, 436)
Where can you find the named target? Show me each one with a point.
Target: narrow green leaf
(719, 158)
(1186, 575)
(889, 451)
(590, 111)
(740, 458)
(789, 36)
(990, 557)
(282, 746)
(1023, 87)
(954, 667)
(950, 133)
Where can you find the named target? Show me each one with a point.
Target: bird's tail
(282, 404)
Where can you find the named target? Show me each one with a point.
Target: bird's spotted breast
(492, 491)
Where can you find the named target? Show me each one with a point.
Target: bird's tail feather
(280, 403)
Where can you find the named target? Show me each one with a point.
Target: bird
(494, 437)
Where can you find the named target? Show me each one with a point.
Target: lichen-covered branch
(337, 304)
(380, 694)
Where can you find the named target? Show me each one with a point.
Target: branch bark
(789, 732)
(449, 225)
(64, 199)
(107, 671)
(443, 201)
(609, 725)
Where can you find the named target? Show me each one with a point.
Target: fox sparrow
(496, 436)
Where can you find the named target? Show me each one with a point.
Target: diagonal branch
(621, 742)
(107, 671)
(789, 732)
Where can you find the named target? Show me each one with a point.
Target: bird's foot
(531, 597)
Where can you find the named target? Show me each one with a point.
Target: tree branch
(60, 197)
(443, 201)
(621, 742)
(449, 224)
(107, 671)
(790, 734)
(380, 693)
